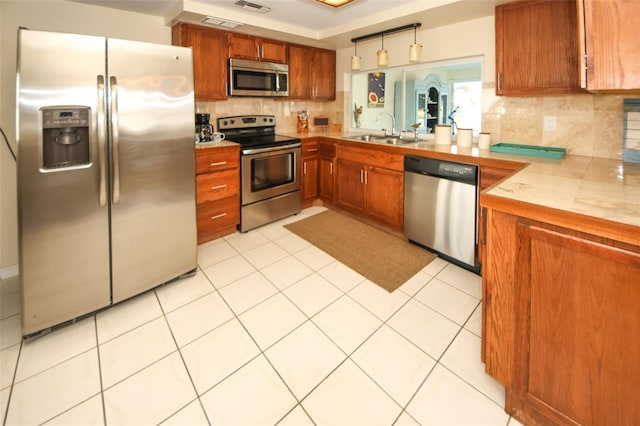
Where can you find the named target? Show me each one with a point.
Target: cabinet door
(218, 218)
(385, 196)
(612, 44)
(273, 51)
(324, 75)
(242, 46)
(350, 185)
(326, 178)
(309, 178)
(578, 330)
(210, 49)
(299, 72)
(536, 47)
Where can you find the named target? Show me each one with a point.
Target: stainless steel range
(269, 169)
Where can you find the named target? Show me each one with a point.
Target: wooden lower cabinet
(351, 190)
(367, 188)
(327, 171)
(490, 175)
(217, 191)
(561, 322)
(309, 172)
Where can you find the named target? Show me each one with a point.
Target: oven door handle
(270, 149)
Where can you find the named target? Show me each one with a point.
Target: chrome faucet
(393, 123)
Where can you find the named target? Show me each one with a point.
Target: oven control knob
(224, 122)
(271, 120)
(232, 121)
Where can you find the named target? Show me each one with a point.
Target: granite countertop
(597, 187)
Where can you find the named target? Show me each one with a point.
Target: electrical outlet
(549, 123)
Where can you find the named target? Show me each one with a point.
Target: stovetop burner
(253, 131)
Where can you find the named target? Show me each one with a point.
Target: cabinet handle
(361, 176)
(304, 167)
(312, 149)
(262, 51)
(499, 81)
(224, 185)
(366, 177)
(219, 163)
(331, 168)
(218, 216)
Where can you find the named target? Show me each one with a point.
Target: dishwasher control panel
(456, 169)
(461, 172)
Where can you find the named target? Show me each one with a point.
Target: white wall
(50, 15)
(466, 39)
(474, 38)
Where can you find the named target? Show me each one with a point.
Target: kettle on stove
(204, 130)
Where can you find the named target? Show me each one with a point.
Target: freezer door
(153, 217)
(63, 229)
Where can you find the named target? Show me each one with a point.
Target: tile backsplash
(286, 112)
(586, 124)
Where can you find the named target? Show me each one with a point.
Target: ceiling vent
(253, 7)
(219, 22)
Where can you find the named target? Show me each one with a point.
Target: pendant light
(355, 59)
(415, 49)
(383, 55)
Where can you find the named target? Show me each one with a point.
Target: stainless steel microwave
(254, 78)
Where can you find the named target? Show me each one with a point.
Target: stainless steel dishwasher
(440, 208)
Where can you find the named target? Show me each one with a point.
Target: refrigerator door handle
(102, 146)
(115, 140)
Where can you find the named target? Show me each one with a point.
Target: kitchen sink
(392, 140)
(361, 137)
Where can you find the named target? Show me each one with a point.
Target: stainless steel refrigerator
(106, 172)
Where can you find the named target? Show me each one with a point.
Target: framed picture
(376, 90)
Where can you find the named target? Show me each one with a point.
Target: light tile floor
(270, 330)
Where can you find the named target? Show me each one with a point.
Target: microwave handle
(277, 82)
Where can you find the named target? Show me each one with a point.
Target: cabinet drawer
(213, 159)
(218, 185)
(309, 148)
(217, 215)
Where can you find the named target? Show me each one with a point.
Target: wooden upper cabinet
(210, 48)
(312, 73)
(537, 47)
(324, 74)
(300, 71)
(612, 42)
(243, 46)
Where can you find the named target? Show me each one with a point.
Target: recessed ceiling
(310, 21)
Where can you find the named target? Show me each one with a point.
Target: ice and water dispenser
(65, 137)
